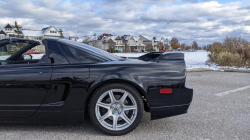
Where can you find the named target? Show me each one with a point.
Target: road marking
(231, 91)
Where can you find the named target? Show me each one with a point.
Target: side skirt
(49, 117)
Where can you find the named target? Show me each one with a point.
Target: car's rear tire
(116, 109)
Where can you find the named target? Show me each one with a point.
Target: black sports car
(72, 79)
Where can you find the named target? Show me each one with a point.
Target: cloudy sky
(205, 21)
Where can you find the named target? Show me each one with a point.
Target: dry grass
(234, 51)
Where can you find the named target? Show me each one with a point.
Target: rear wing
(160, 56)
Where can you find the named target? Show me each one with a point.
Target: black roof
(8, 26)
(2, 32)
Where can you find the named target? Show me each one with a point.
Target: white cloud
(202, 21)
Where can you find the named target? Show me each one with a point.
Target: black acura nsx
(70, 79)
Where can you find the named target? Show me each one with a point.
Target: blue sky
(204, 21)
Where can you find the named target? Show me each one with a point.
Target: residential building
(85, 39)
(133, 44)
(158, 43)
(114, 42)
(7, 31)
(119, 45)
(147, 41)
(74, 38)
(103, 42)
(139, 44)
(48, 32)
(2, 34)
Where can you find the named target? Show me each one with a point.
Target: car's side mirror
(27, 57)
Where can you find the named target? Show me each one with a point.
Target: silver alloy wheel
(116, 114)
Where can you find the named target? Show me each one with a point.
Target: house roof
(2, 32)
(137, 38)
(159, 39)
(46, 29)
(28, 32)
(146, 38)
(104, 35)
(8, 26)
(126, 37)
(86, 38)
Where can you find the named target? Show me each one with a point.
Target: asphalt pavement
(210, 117)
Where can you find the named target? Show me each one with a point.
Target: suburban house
(114, 42)
(7, 31)
(139, 44)
(119, 45)
(86, 39)
(2, 34)
(104, 42)
(158, 43)
(133, 44)
(74, 38)
(48, 32)
(147, 41)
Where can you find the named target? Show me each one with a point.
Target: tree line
(174, 43)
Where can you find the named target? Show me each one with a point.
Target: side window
(76, 56)
(37, 52)
(56, 54)
(8, 50)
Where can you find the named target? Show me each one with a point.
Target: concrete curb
(233, 70)
(199, 70)
(222, 70)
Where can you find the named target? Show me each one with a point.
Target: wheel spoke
(112, 97)
(124, 116)
(105, 116)
(115, 119)
(123, 97)
(104, 105)
(129, 107)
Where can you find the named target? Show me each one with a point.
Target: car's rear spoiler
(158, 56)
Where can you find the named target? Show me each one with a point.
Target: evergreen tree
(61, 33)
(18, 29)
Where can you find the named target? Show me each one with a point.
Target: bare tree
(195, 45)
(183, 46)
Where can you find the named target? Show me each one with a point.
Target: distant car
(33, 51)
(162, 50)
(72, 79)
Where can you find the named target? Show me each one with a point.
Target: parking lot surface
(210, 116)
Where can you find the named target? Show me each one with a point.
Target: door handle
(40, 73)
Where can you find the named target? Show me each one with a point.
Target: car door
(23, 84)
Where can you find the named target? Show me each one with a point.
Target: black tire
(100, 92)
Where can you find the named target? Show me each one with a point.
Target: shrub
(234, 51)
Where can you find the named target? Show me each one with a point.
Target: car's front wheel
(116, 109)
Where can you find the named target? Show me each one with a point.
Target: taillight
(166, 90)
